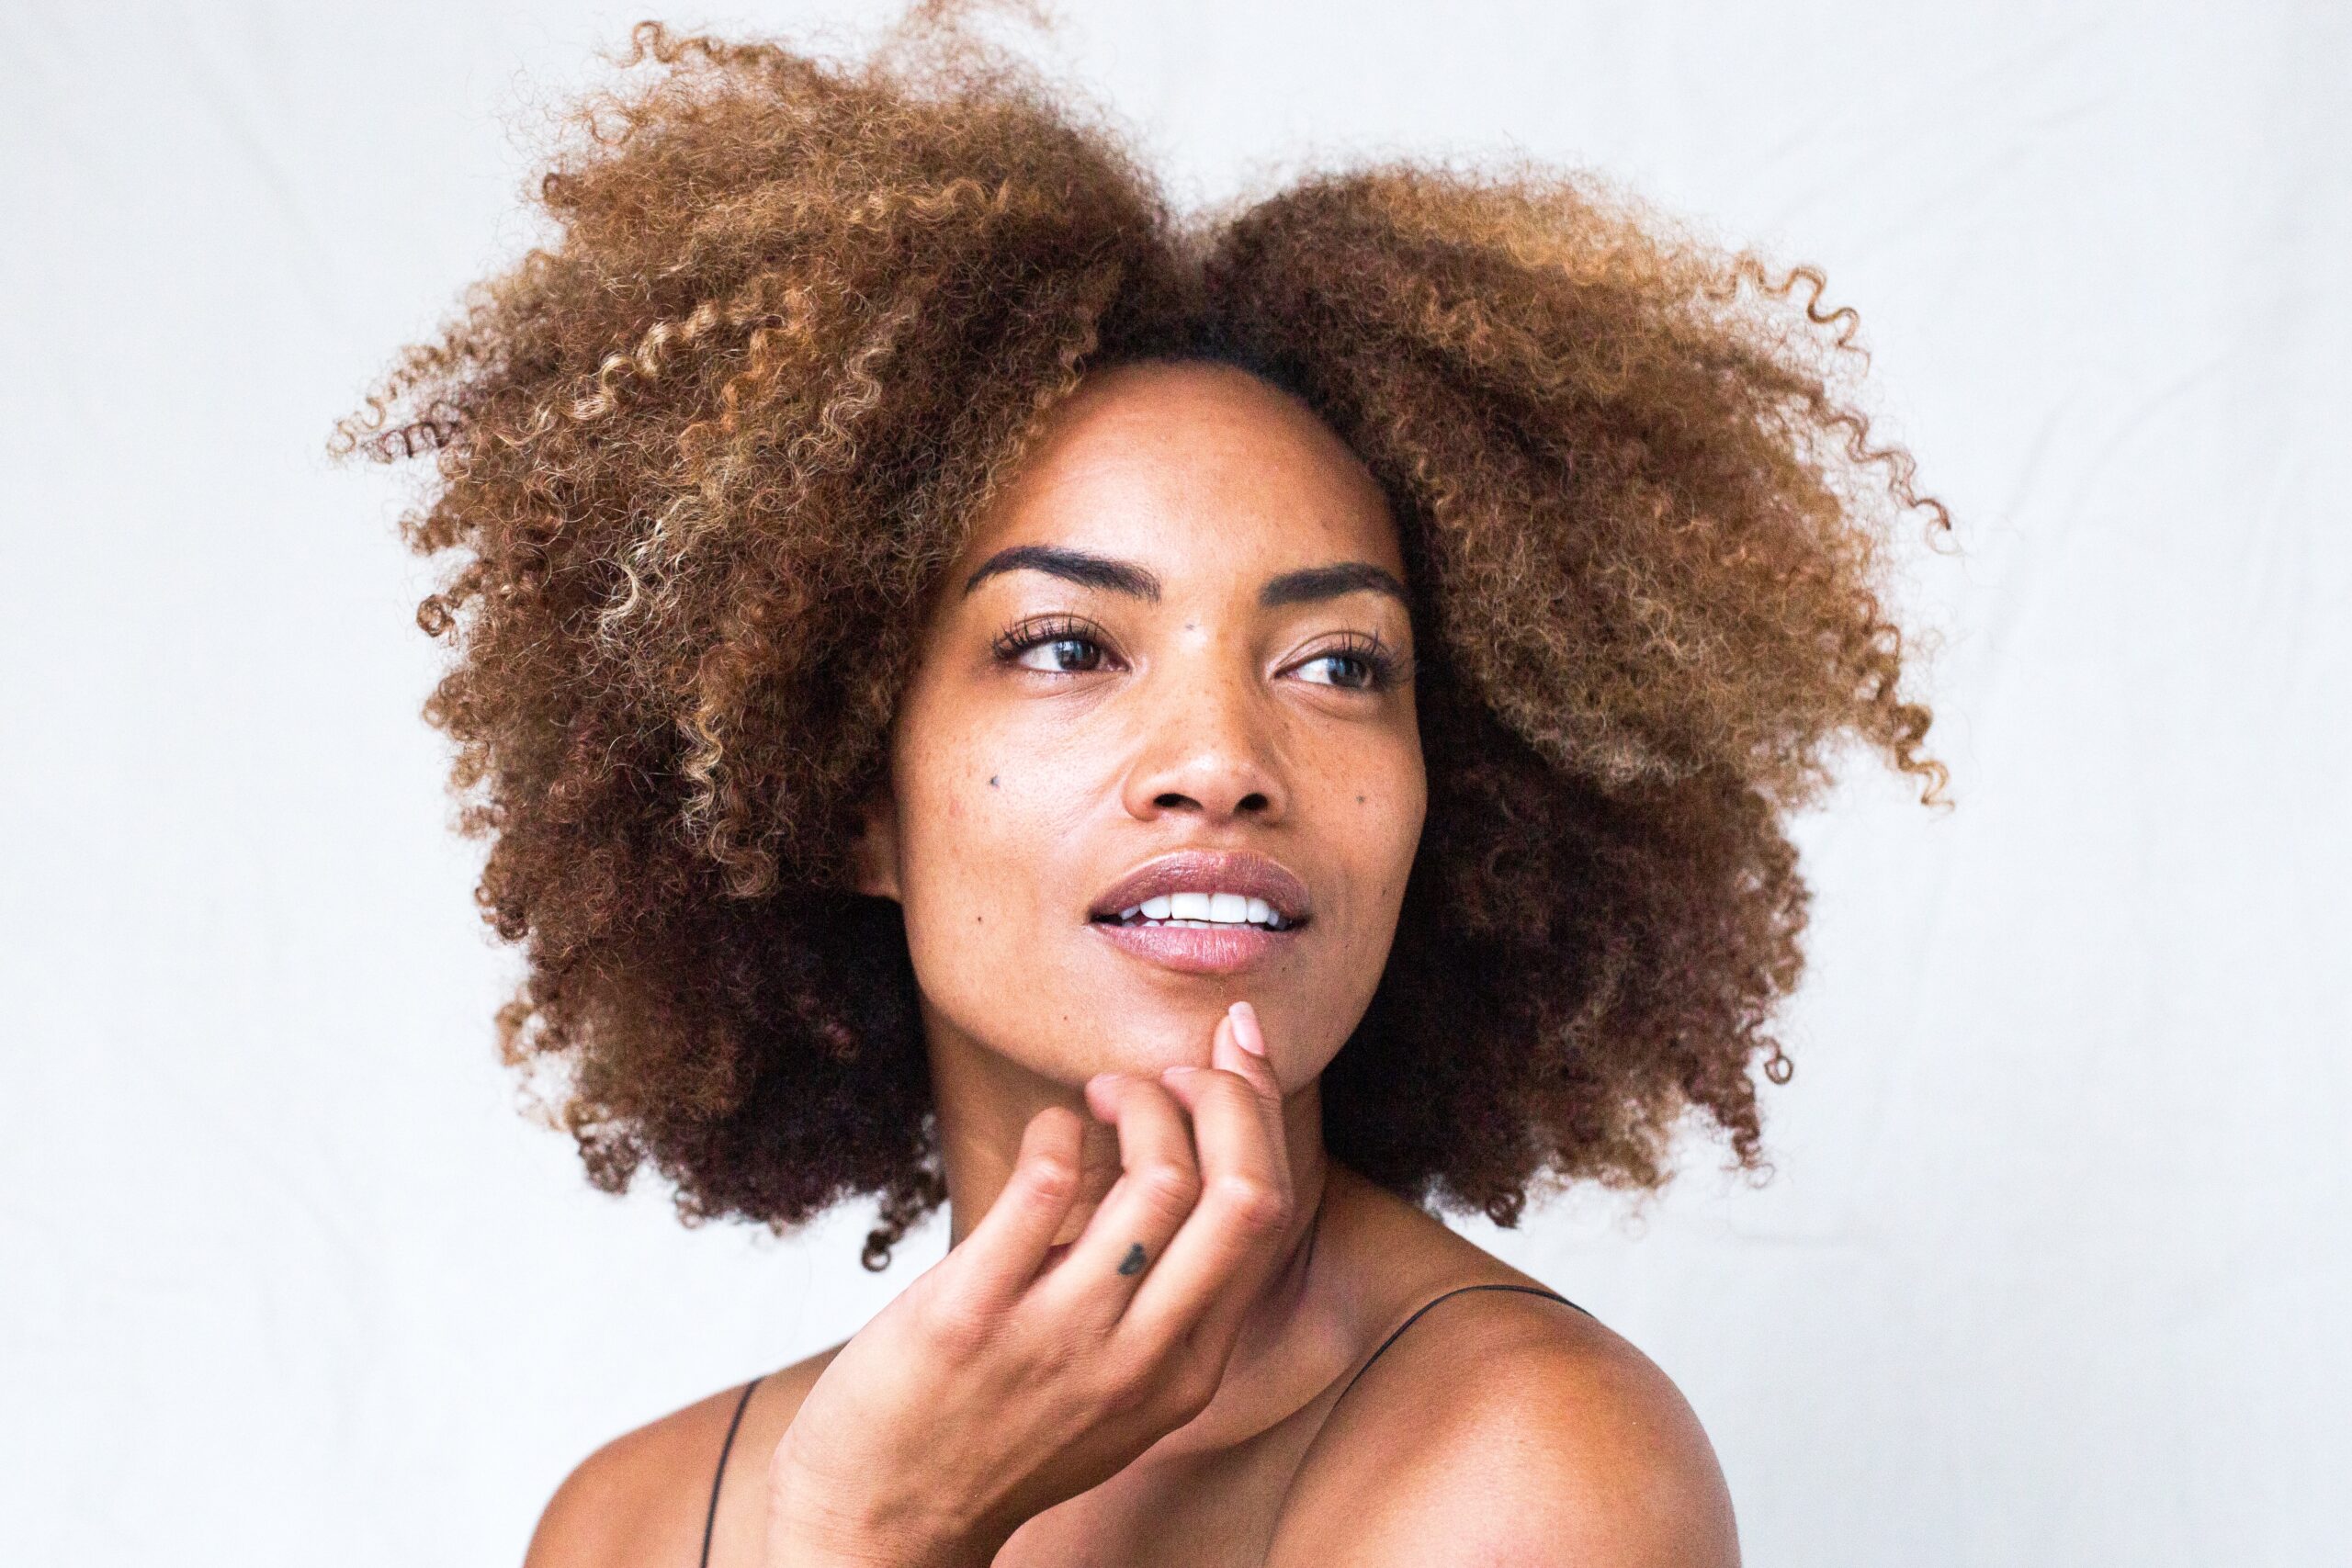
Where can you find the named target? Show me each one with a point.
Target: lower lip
(1198, 950)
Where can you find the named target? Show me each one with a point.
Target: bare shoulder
(641, 1499)
(1509, 1428)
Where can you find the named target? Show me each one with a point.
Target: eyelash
(1384, 668)
(1014, 641)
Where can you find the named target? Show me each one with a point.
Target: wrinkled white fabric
(2051, 1268)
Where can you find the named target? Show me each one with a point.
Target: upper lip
(1206, 871)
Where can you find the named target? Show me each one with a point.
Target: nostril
(1254, 801)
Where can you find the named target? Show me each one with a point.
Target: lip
(1196, 950)
(1208, 870)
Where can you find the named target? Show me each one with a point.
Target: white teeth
(1205, 909)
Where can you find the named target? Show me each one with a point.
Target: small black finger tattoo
(1132, 1262)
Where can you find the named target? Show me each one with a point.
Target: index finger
(1226, 1245)
(1008, 1245)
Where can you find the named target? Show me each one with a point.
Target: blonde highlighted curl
(699, 460)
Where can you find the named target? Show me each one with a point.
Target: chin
(1146, 1038)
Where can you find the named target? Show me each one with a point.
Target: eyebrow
(1077, 566)
(1310, 584)
(1306, 585)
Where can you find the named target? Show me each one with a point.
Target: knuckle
(1189, 1385)
(1255, 1204)
(1168, 1186)
(1052, 1178)
(1220, 1083)
(956, 1324)
(1146, 1379)
(1130, 1386)
(1235, 1084)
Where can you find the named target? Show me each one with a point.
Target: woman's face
(1160, 752)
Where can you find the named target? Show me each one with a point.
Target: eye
(1362, 664)
(1060, 647)
(1068, 655)
(1342, 669)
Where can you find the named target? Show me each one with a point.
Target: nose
(1206, 753)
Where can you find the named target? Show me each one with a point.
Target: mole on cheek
(992, 781)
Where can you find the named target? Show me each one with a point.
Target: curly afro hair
(697, 461)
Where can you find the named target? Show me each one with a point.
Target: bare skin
(1172, 635)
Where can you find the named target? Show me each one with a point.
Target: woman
(1187, 743)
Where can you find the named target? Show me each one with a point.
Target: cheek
(1367, 815)
(959, 823)
(1384, 804)
(984, 824)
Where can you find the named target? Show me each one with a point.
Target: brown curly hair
(699, 459)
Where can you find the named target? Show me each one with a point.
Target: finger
(1002, 1254)
(1240, 1047)
(1159, 1182)
(1227, 1247)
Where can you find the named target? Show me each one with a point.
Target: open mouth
(1202, 910)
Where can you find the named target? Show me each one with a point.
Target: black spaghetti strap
(1523, 1289)
(718, 1476)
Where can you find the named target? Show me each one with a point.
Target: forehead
(1190, 466)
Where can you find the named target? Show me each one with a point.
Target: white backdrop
(2050, 1272)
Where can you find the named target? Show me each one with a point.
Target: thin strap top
(711, 1519)
(1460, 1290)
(720, 1475)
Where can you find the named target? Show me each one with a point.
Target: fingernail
(1245, 1032)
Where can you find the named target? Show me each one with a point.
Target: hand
(1014, 1373)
